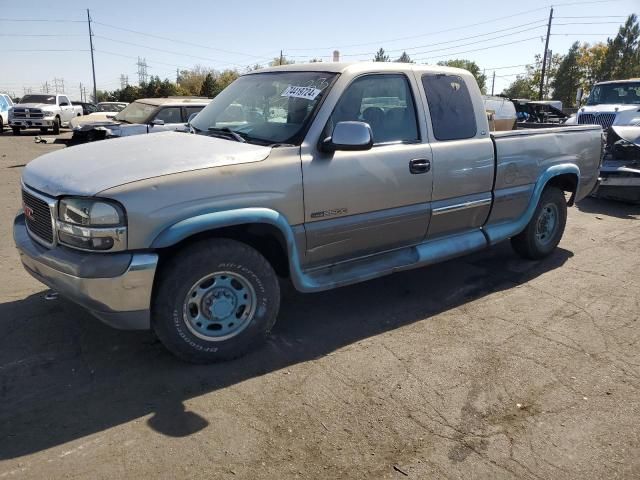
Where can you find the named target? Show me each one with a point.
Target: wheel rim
(547, 224)
(219, 306)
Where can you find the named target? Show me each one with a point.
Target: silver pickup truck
(328, 174)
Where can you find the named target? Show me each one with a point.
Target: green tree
(622, 59)
(280, 61)
(568, 77)
(381, 56)
(404, 58)
(472, 67)
(208, 88)
(521, 87)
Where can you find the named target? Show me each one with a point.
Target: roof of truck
(619, 81)
(340, 67)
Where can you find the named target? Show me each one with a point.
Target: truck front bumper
(31, 122)
(116, 287)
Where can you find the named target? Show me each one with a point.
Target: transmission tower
(124, 81)
(58, 85)
(142, 70)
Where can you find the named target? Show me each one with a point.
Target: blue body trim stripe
(426, 253)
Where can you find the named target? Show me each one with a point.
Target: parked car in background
(327, 173)
(539, 113)
(43, 111)
(147, 115)
(502, 113)
(87, 108)
(615, 106)
(611, 103)
(108, 107)
(5, 105)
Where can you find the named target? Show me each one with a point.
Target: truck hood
(34, 105)
(87, 122)
(608, 108)
(89, 169)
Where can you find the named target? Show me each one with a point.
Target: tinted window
(450, 106)
(3, 103)
(64, 101)
(170, 115)
(191, 110)
(384, 102)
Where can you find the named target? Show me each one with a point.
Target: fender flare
(502, 231)
(210, 221)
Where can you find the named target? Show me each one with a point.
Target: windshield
(267, 108)
(136, 112)
(627, 92)
(50, 99)
(110, 107)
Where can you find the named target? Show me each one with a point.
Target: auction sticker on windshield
(308, 93)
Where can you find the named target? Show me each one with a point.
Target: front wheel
(215, 300)
(544, 231)
(56, 126)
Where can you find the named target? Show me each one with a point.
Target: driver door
(364, 202)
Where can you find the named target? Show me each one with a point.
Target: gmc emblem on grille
(28, 212)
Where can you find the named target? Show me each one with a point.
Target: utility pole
(81, 99)
(281, 57)
(493, 82)
(142, 70)
(544, 58)
(93, 65)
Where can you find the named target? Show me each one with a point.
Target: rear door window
(450, 106)
(170, 115)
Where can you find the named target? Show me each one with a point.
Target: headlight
(92, 224)
(47, 113)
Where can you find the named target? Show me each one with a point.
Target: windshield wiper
(227, 132)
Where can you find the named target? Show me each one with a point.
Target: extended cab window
(170, 115)
(450, 106)
(384, 102)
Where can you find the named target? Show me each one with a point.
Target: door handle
(419, 165)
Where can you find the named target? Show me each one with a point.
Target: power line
(479, 49)
(177, 41)
(48, 20)
(41, 35)
(182, 54)
(451, 41)
(44, 50)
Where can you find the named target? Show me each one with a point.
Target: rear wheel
(15, 130)
(56, 126)
(44, 129)
(1, 125)
(544, 231)
(215, 300)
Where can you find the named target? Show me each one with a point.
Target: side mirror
(158, 122)
(191, 117)
(348, 136)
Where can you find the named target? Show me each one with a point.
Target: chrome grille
(605, 120)
(38, 217)
(27, 113)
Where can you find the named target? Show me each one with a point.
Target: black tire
(1, 125)
(44, 129)
(15, 130)
(536, 241)
(56, 126)
(173, 309)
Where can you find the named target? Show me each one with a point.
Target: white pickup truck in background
(43, 111)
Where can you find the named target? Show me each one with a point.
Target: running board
(360, 270)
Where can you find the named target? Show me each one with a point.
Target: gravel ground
(488, 366)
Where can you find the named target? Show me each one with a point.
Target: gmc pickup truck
(43, 111)
(328, 174)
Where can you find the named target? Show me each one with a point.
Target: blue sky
(237, 34)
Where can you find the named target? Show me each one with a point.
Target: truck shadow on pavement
(64, 375)
(610, 208)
